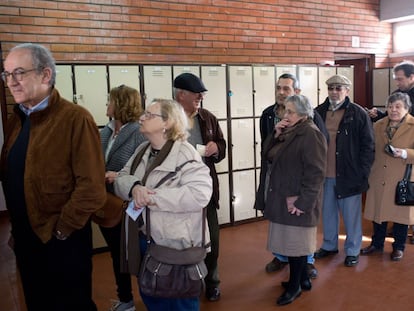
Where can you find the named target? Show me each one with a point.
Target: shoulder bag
(404, 193)
(170, 273)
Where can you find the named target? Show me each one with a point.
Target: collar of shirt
(40, 106)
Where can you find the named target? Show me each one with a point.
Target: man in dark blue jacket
(350, 157)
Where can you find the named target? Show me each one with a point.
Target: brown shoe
(275, 265)
(412, 239)
(397, 255)
(369, 250)
(312, 271)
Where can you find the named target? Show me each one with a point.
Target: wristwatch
(60, 236)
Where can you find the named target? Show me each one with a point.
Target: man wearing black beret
(207, 137)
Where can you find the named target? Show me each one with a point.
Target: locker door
(243, 143)
(214, 78)
(157, 83)
(223, 165)
(92, 90)
(258, 142)
(308, 78)
(127, 75)
(195, 70)
(244, 195)
(64, 81)
(285, 69)
(324, 74)
(264, 88)
(241, 91)
(223, 213)
(349, 73)
(380, 87)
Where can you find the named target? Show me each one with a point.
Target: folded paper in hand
(132, 211)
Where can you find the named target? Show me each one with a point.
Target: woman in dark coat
(290, 192)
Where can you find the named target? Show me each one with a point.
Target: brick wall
(197, 31)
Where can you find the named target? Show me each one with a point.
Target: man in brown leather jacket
(52, 171)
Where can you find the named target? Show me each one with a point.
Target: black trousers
(56, 276)
(123, 280)
(211, 261)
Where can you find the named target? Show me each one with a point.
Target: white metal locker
(308, 78)
(124, 75)
(349, 73)
(258, 142)
(241, 96)
(91, 90)
(177, 70)
(285, 69)
(64, 82)
(223, 213)
(243, 143)
(324, 74)
(157, 83)
(264, 88)
(223, 165)
(380, 87)
(214, 79)
(244, 195)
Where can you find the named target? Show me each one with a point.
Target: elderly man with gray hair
(350, 157)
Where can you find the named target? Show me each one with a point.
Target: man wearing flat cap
(207, 137)
(350, 157)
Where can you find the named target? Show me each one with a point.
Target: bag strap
(147, 215)
(138, 159)
(407, 174)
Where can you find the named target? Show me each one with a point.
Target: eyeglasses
(149, 115)
(17, 74)
(337, 88)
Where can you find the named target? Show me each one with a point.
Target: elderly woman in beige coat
(394, 148)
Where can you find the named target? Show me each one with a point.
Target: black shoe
(312, 271)
(213, 294)
(287, 297)
(371, 250)
(351, 261)
(321, 253)
(305, 285)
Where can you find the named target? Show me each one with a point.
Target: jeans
(350, 208)
(282, 258)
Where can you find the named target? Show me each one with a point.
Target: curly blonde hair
(127, 103)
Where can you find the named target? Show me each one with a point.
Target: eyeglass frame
(149, 115)
(17, 74)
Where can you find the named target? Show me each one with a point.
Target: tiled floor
(376, 284)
